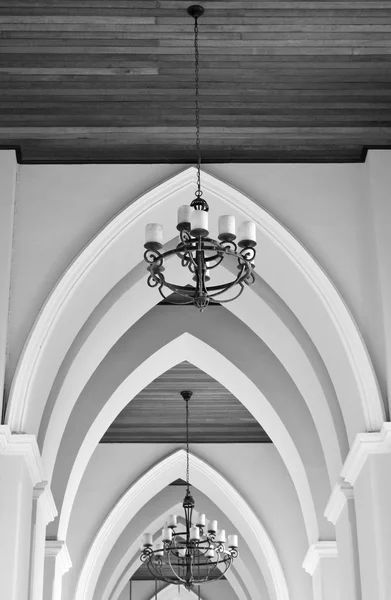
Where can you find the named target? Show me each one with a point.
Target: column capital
(318, 552)
(24, 445)
(365, 444)
(57, 550)
(43, 493)
(341, 493)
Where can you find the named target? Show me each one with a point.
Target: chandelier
(198, 252)
(190, 554)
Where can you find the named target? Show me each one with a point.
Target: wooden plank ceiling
(157, 414)
(112, 80)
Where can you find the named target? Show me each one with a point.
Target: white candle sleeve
(159, 549)
(233, 541)
(166, 534)
(247, 231)
(210, 553)
(194, 533)
(200, 520)
(199, 220)
(227, 224)
(184, 213)
(154, 233)
(147, 539)
(212, 526)
(172, 521)
(220, 537)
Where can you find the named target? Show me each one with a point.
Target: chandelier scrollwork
(198, 252)
(193, 553)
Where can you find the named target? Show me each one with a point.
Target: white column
(20, 470)
(43, 512)
(341, 512)
(8, 170)
(378, 165)
(321, 562)
(57, 563)
(368, 470)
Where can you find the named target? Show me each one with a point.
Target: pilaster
(321, 562)
(57, 563)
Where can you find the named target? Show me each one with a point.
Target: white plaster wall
(271, 495)
(60, 208)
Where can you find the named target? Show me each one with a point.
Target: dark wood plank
(280, 80)
(157, 414)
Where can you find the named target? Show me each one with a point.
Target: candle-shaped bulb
(212, 527)
(153, 235)
(247, 234)
(232, 541)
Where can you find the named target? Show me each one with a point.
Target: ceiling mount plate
(186, 395)
(195, 11)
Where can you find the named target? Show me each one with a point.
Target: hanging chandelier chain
(197, 106)
(187, 447)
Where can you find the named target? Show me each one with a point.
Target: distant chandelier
(193, 554)
(198, 252)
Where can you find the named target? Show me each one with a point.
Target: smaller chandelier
(198, 252)
(191, 554)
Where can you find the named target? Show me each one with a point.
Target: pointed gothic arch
(215, 487)
(290, 270)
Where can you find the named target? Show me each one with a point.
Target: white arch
(125, 568)
(217, 488)
(206, 358)
(250, 309)
(290, 270)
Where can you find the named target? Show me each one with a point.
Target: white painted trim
(58, 551)
(150, 483)
(24, 445)
(318, 552)
(366, 444)
(42, 492)
(32, 359)
(187, 347)
(342, 492)
(127, 565)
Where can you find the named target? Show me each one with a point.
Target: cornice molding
(43, 494)
(341, 493)
(364, 445)
(318, 552)
(58, 551)
(24, 445)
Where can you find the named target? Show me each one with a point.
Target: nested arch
(215, 364)
(217, 488)
(127, 564)
(289, 270)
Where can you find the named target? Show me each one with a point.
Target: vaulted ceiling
(112, 80)
(157, 414)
